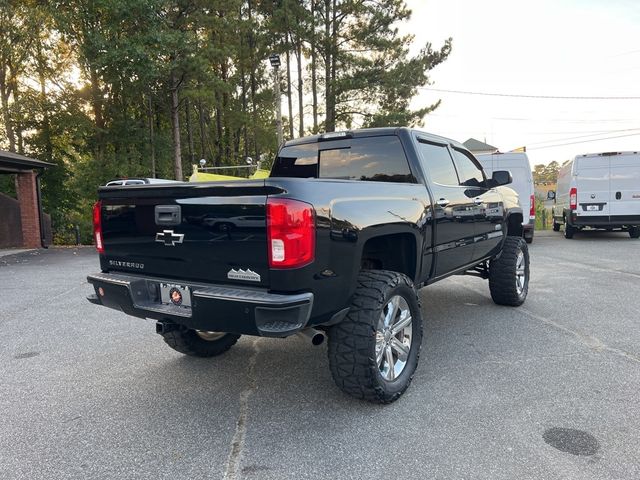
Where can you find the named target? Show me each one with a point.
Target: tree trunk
(187, 116)
(219, 132)
(314, 85)
(203, 133)
(300, 87)
(289, 102)
(253, 83)
(243, 87)
(6, 114)
(98, 119)
(175, 120)
(228, 139)
(46, 123)
(152, 138)
(334, 52)
(13, 91)
(328, 98)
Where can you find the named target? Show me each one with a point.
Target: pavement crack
(590, 267)
(67, 292)
(232, 466)
(589, 341)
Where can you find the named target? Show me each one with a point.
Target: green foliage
(546, 174)
(543, 214)
(8, 185)
(120, 88)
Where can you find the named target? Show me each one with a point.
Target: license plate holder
(175, 295)
(593, 208)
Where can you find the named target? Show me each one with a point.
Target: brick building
(22, 221)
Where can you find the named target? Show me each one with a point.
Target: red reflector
(97, 226)
(573, 198)
(291, 233)
(532, 207)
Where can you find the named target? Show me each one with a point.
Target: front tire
(197, 343)
(634, 232)
(509, 273)
(374, 351)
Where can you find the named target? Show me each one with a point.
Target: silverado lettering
(118, 263)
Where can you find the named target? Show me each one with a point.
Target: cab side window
(470, 173)
(437, 163)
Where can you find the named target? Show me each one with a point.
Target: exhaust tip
(165, 327)
(318, 338)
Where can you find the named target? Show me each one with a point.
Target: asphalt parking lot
(88, 392)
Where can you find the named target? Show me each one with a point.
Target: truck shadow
(291, 373)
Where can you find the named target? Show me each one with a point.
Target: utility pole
(274, 59)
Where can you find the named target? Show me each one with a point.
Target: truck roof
(370, 132)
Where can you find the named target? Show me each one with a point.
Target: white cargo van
(599, 190)
(518, 164)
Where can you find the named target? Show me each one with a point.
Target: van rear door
(624, 177)
(592, 183)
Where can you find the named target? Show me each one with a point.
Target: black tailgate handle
(618, 195)
(168, 215)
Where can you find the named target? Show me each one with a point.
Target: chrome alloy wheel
(210, 336)
(521, 274)
(393, 338)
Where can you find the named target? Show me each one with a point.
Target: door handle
(443, 202)
(477, 201)
(618, 195)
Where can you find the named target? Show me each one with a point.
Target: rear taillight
(97, 226)
(532, 206)
(573, 198)
(291, 233)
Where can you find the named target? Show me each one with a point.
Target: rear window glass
(369, 159)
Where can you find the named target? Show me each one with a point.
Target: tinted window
(438, 164)
(370, 159)
(470, 174)
(297, 161)
(378, 159)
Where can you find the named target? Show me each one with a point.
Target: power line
(584, 141)
(510, 95)
(587, 136)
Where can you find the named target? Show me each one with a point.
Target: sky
(579, 48)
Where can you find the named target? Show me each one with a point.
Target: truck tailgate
(213, 232)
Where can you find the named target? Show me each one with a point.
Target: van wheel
(373, 353)
(198, 343)
(556, 226)
(634, 232)
(569, 230)
(509, 273)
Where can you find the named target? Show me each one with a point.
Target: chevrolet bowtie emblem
(169, 238)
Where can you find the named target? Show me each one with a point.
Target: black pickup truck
(336, 243)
